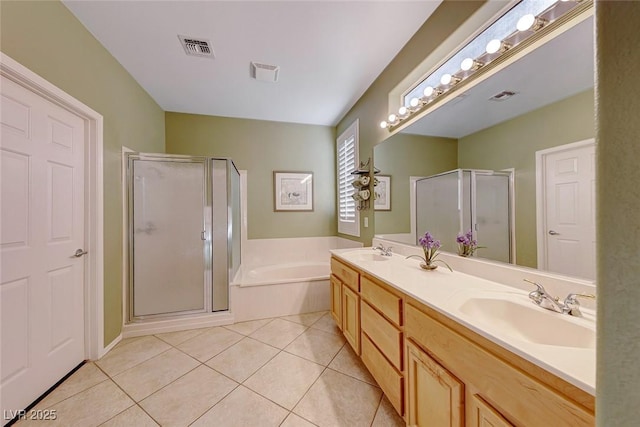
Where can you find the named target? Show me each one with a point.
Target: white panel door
(42, 226)
(570, 212)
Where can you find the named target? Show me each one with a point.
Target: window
(347, 153)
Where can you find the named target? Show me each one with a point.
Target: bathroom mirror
(513, 121)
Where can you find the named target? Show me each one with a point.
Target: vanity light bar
(526, 26)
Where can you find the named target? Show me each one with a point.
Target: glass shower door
(168, 236)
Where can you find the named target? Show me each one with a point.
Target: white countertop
(443, 290)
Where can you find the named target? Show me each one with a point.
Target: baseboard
(109, 347)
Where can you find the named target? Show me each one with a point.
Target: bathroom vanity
(451, 349)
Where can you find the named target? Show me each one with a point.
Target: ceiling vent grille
(265, 72)
(196, 47)
(502, 96)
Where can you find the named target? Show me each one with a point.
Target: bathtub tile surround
(281, 277)
(245, 383)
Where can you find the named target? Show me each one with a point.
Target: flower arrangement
(466, 244)
(430, 246)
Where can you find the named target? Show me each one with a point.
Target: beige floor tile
(155, 373)
(85, 377)
(279, 333)
(243, 359)
(242, 408)
(306, 319)
(387, 416)
(327, 324)
(349, 363)
(247, 328)
(133, 416)
(284, 379)
(339, 400)
(187, 398)
(204, 346)
(131, 354)
(125, 341)
(175, 338)
(316, 345)
(89, 408)
(295, 421)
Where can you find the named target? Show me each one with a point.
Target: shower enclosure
(466, 199)
(183, 232)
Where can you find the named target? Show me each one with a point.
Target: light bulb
(383, 124)
(445, 79)
(402, 111)
(467, 64)
(493, 46)
(526, 22)
(428, 91)
(392, 118)
(414, 102)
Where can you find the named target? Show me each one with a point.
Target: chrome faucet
(570, 306)
(542, 298)
(384, 251)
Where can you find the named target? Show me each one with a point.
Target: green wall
(513, 144)
(401, 157)
(46, 38)
(618, 222)
(261, 147)
(373, 105)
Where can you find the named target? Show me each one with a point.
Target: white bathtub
(286, 273)
(281, 290)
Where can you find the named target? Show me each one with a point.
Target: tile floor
(288, 371)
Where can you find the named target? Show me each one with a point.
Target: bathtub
(280, 290)
(286, 273)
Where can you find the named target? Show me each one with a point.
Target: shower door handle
(203, 235)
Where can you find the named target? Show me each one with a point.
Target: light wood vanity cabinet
(345, 301)
(436, 372)
(499, 386)
(336, 300)
(434, 396)
(383, 338)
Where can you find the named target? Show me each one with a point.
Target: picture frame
(382, 191)
(292, 191)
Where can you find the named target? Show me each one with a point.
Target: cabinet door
(351, 317)
(435, 397)
(336, 301)
(481, 414)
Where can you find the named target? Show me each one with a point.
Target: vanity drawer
(383, 333)
(347, 275)
(384, 301)
(389, 380)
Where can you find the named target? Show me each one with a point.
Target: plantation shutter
(347, 153)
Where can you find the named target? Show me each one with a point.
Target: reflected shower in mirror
(535, 118)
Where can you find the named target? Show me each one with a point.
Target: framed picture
(382, 201)
(293, 191)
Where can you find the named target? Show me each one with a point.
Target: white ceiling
(329, 52)
(557, 70)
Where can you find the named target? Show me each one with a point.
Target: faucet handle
(538, 295)
(573, 297)
(539, 287)
(572, 305)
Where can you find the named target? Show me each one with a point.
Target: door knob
(553, 233)
(79, 253)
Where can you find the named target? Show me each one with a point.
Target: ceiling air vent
(264, 72)
(502, 96)
(196, 47)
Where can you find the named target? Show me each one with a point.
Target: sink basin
(522, 320)
(368, 256)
